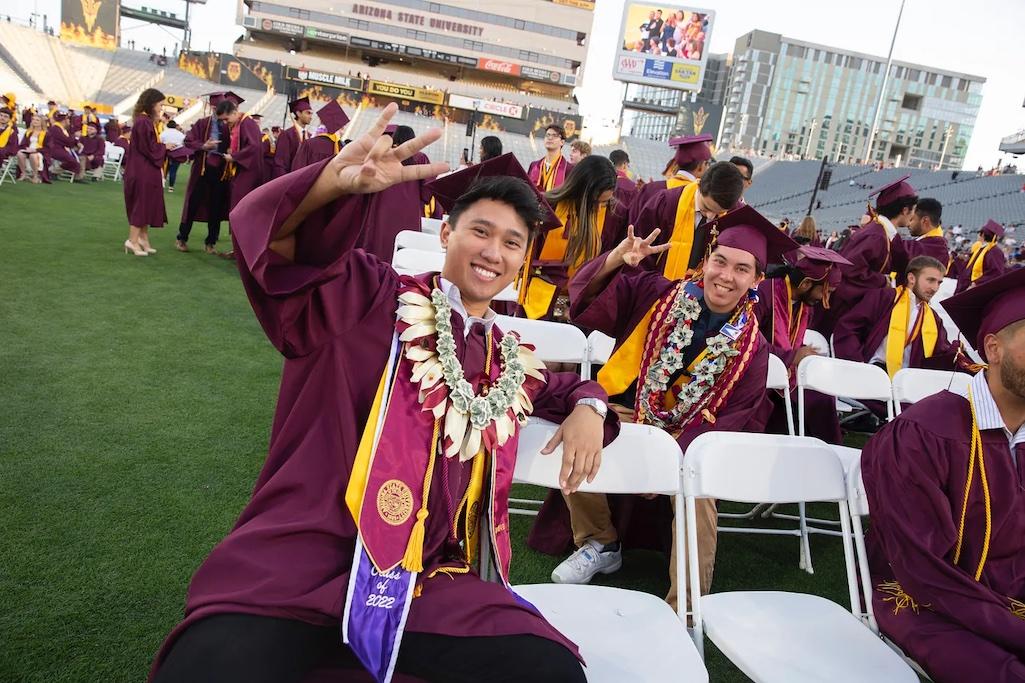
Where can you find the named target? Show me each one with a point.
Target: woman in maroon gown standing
(144, 175)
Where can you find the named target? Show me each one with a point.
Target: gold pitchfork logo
(700, 117)
(90, 8)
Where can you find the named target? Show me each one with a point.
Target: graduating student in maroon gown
(692, 158)
(550, 171)
(327, 144)
(715, 391)
(144, 175)
(396, 208)
(926, 237)
(944, 482)
(267, 602)
(986, 260)
(124, 139)
(60, 145)
(293, 136)
(626, 189)
(8, 135)
(868, 250)
(786, 300)
(92, 149)
(112, 129)
(206, 196)
(244, 157)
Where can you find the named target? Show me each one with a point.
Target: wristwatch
(595, 404)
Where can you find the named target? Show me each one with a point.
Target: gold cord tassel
(413, 560)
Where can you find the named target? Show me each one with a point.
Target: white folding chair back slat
(553, 342)
(817, 341)
(431, 225)
(911, 385)
(623, 635)
(601, 346)
(412, 239)
(778, 377)
(844, 378)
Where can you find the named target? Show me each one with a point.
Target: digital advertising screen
(663, 45)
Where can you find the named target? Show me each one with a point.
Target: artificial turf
(136, 397)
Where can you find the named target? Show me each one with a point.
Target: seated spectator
(32, 160)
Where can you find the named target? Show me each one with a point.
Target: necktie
(697, 254)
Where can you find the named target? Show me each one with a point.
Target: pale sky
(982, 38)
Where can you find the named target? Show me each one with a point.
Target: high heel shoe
(129, 247)
(148, 249)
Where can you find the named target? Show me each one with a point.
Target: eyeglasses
(553, 135)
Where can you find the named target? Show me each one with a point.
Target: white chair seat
(798, 638)
(597, 618)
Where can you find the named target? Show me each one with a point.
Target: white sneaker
(588, 560)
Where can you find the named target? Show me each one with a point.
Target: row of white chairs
(769, 635)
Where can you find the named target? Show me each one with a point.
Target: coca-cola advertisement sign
(498, 66)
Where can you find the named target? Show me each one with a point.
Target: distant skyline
(979, 39)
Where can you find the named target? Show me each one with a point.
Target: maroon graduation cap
(298, 105)
(221, 95)
(744, 228)
(817, 263)
(888, 194)
(992, 228)
(989, 307)
(691, 148)
(448, 189)
(275, 129)
(390, 129)
(333, 116)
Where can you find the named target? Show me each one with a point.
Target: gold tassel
(413, 560)
(1018, 608)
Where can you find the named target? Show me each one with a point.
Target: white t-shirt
(172, 136)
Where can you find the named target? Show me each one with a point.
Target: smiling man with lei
(384, 497)
(688, 358)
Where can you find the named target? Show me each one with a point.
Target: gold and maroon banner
(91, 22)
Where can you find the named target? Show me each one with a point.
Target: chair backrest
(911, 385)
(553, 342)
(600, 347)
(946, 289)
(418, 261)
(857, 499)
(817, 341)
(431, 225)
(642, 459)
(413, 239)
(778, 377)
(762, 468)
(113, 153)
(844, 378)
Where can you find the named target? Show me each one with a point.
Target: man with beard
(944, 482)
(927, 237)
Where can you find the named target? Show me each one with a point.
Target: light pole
(882, 90)
(811, 132)
(946, 141)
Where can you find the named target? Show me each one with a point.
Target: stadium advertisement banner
(513, 111)
(498, 66)
(422, 53)
(314, 33)
(405, 92)
(253, 74)
(286, 28)
(663, 45)
(323, 78)
(91, 22)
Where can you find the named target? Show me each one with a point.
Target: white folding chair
(112, 159)
(431, 225)
(857, 505)
(773, 635)
(412, 239)
(911, 385)
(600, 347)
(415, 261)
(838, 378)
(622, 635)
(818, 342)
(7, 171)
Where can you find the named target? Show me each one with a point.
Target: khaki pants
(591, 519)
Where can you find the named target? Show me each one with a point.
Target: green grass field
(137, 396)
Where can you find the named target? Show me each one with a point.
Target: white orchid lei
(444, 390)
(680, 318)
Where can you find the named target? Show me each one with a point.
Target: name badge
(731, 331)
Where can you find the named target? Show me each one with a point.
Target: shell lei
(471, 421)
(720, 348)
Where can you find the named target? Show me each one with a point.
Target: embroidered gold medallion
(394, 502)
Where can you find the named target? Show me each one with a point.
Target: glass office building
(795, 99)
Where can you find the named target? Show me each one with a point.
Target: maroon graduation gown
(616, 311)
(268, 157)
(626, 190)
(915, 469)
(994, 264)
(398, 208)
(902, 251)
(248, 161)
(660, 212)
(58, 147)
(144, 175)
(862, 329)
(561, 171)
(95, 148)
(821, 420)
(314, 150)
(11, 148)
(285, 149)
(331, 314)
(868, 250)
(644, 195)
(112, 129)
(206, 196)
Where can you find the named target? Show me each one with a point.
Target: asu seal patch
(394, 502)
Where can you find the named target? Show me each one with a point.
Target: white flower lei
(681, 316)
(466, 415)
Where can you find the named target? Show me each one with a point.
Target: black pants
(172, 172)
(216, 195)
(243, 648)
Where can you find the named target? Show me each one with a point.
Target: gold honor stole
(333, 137)
(682, 238)
(897, 336)
(677, 181)
(547, 177)
(235, 136)
(6, 135)
(536, 294)
(979, 251)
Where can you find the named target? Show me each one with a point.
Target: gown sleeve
(853, 328)
(145, 143)
(627, 295)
